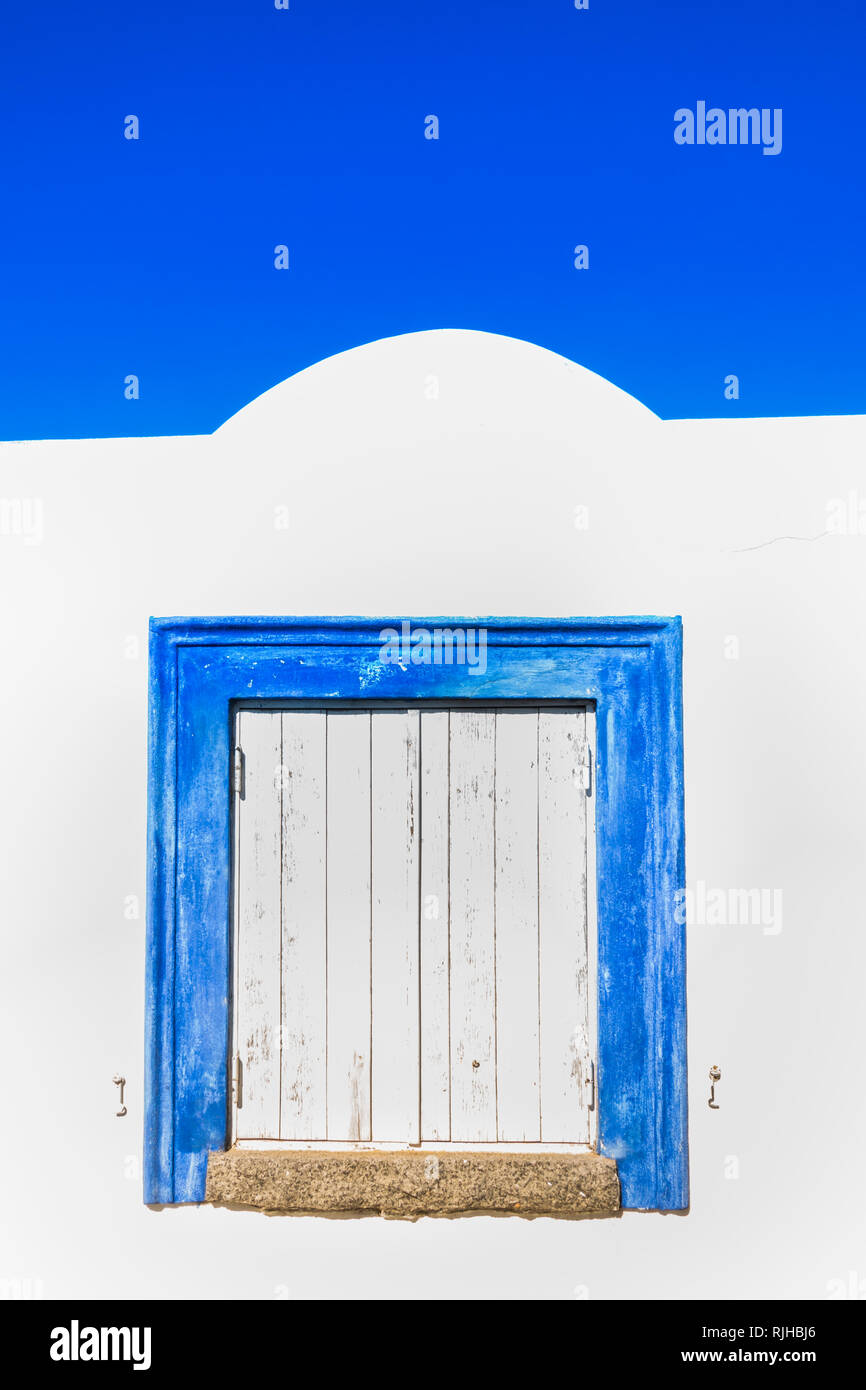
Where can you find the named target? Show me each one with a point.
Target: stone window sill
(413, 1182)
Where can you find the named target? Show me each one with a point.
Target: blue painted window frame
(630, 667)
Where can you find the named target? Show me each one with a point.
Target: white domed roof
(455, 377)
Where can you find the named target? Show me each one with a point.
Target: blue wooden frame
(630, 667)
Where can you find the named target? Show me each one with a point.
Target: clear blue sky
(306, 127)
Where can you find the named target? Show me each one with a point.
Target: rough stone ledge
(413, 1182)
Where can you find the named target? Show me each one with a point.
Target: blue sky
(306, 127)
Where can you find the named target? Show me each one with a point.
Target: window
(412, 953)
(423, 778)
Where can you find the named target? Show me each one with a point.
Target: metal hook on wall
(715, 1075)
(121, 1082)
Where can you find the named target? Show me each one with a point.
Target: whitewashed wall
(439, 473)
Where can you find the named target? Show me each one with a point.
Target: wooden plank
(473, 949)
(517, 1049)
(303, 1113)
(435, 1039)
(348, 877)
(562, 819)
(395, 1060)
(258, 925)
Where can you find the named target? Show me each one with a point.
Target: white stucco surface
(439, 473)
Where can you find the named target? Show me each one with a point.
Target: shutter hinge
(590, 1081)
(238, 771)
(237, 1082)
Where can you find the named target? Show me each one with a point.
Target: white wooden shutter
(412, 955)
(394, 855)
(346, 983)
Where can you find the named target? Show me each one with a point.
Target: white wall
(406, 505)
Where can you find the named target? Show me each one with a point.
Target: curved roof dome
(453, 376)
